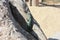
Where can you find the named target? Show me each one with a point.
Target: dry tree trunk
(9, 28)
(24, 10)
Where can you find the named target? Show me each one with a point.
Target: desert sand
(48, 18)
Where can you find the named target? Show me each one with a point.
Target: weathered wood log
(21, 8)
(9, 28)
(21, 13)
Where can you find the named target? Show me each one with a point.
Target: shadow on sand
(43, 5)
(52, 39)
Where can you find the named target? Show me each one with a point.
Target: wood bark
(24, 10)
(9, 28)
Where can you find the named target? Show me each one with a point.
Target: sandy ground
(48, 18)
